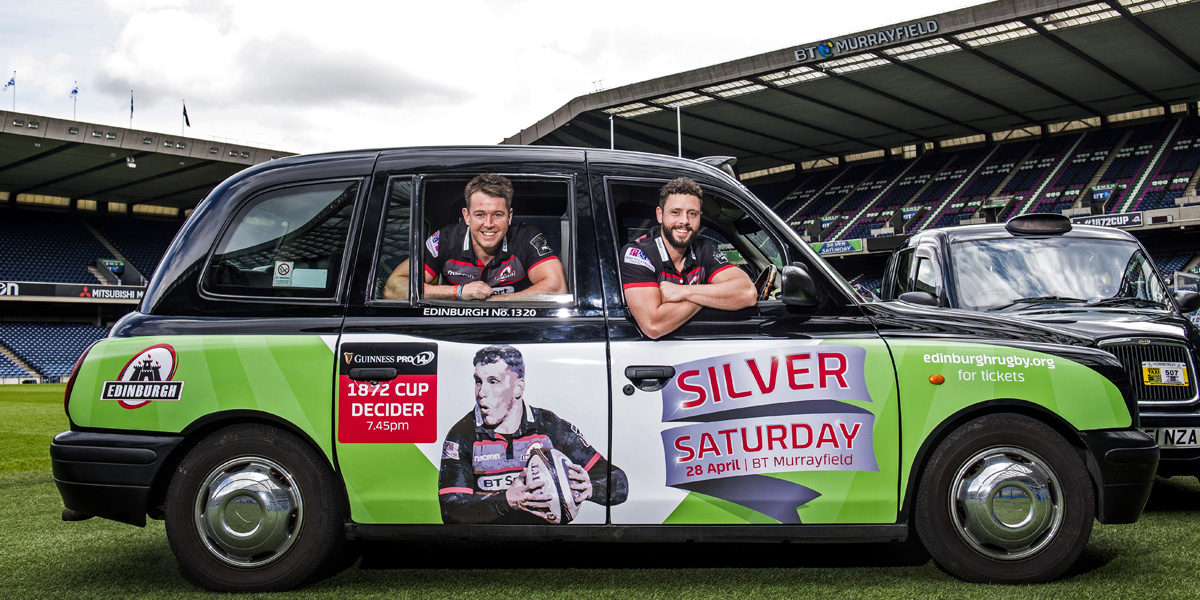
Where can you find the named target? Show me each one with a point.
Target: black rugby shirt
(449, 254)
(645, 262)
(478, 466)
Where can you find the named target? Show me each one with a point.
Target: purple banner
(765, 377)
(773, 497)
(819, 442)
(776, 410)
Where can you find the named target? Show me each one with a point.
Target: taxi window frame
(245, 204)
(420, 182)
(377, 240)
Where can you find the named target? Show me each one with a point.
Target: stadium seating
(9, 370)
(1170, 263)
(142, 241)
(47, 247)
(963, 164)
(1179, 162)
(51, 348)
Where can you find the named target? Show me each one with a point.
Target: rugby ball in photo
(553, 468)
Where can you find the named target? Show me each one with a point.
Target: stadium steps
(1190, 190)
(17, 360)
(1108, 161)
(1013, 173)
(917, 194)
(1135, 195)
(1192, 262)
(1033, 198)
(962, 183)
(104, 242)
(871, 203)
(95, 271)
(800, 210)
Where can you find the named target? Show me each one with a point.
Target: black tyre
(254, 508)
(1005, 499)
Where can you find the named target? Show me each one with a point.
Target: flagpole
(75, 101)
(181, 118)
(131, 109)
(14, 91)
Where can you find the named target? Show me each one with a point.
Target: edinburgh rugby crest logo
(145, 378)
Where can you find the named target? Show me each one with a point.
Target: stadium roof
(995, 67)
(69, 159)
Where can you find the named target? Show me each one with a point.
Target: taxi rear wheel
(254, 508)
(1005, 499)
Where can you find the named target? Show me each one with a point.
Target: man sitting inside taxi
(485, 256)
(670, 273)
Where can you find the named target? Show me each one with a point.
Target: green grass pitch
(43, 557)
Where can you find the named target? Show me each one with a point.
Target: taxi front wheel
(1005, 499)
(254, 508)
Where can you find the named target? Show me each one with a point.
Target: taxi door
(764, 415)
(409, 377)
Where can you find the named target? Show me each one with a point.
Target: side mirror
(1187, 301)
(797, 287)
(922, 298)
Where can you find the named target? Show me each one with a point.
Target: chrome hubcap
(248, 512)
(1006, 503)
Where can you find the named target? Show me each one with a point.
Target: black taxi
(275, 403)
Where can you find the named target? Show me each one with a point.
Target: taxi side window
(538, 230)
(288, 243)
(735, 234)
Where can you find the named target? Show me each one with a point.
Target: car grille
(1132, 354)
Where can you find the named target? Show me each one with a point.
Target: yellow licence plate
(1164, 373)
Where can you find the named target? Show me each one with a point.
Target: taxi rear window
(285, 243)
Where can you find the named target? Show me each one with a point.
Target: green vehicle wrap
(291, 377)
(287, 376)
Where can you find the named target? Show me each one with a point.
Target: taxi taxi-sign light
(1038, 223)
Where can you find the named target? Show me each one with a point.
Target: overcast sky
(306, 76)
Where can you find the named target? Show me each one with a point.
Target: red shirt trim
(718, 271)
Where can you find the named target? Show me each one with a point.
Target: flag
(186, 121)
(11, 83)
(75, 91)
(130, 104)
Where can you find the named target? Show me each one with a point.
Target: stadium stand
(1131, 159)
(1174, 170)
(47, 247)
(944, 213)
(1170, 263)
(1038, 175)
(1041, 163)
(822, 205)
(9, 370)
(142, 241)
(1078, 169)
(876, 215)
(809, 185)
(52, 348)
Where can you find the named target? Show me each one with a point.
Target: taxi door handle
(375, 374)
(649, 378)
